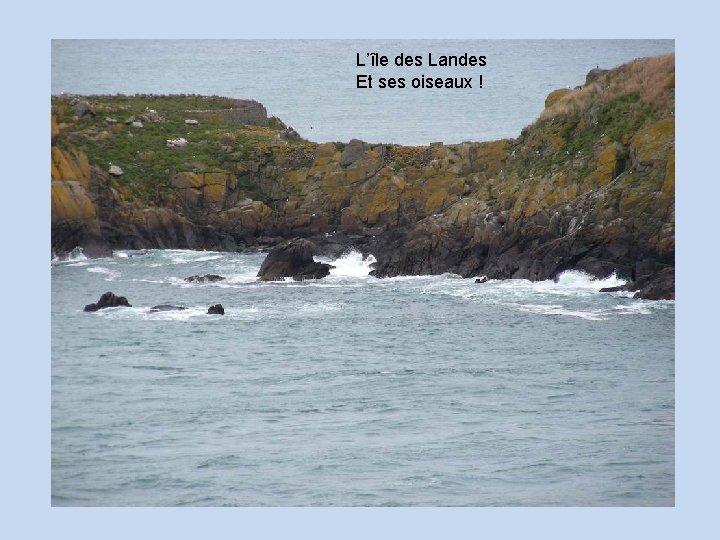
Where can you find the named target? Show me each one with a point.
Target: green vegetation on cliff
(108, 137)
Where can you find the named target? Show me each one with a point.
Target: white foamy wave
(111, 275)
(319, 307)
(636, 308)
(230, 282)
(574, 279)
(73, 256)
(351, 264)
(184, 256)
(144, 313)
(555, 309)
(569, 283)
(208, 258)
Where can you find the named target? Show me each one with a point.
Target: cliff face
(590, 185)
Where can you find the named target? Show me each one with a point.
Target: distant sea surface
(311, 84)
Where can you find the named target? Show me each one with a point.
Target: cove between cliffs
(588, 186)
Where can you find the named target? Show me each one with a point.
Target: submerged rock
(217, 309)
(166, 307)
(107, 300)
(293, 259)
(617, 288)
(207, 278)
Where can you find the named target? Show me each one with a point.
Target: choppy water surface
(353, 390)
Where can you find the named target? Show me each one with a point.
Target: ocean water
(353, 390)
(312, 84)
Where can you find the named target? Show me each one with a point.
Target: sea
(353, 390)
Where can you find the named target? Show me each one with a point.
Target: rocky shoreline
(588, 186)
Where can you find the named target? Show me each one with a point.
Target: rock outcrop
(216, 309)
(293, 259)
(73, 212)
(589, 186)
(108, 300)
(207, 278)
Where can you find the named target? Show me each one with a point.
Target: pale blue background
(25, 382)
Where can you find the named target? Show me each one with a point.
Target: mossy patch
(143, 154)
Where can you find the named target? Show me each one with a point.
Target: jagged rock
(555, 96)
(207, 278)
(115, 170)
(660, 286)
(136, 124)
(354, 151)
(151, 115)
(217, 309)
(166, 307)
(107, 300)
(289, 134)
(350, 222)
(83, 109)
(180, 142)
(482, 279)
(594, 74)
(293, 259)
(111, 121)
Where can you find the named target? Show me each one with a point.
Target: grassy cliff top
(108, 135)
(611, 107)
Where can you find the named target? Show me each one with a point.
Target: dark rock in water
(107, 300)
(166, 307)
(660, 287)
(217, 309)
(615, 289)
(69, 235)
(481, 279)
(207, 278)
(293, 259)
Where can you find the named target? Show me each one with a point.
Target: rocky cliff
(589, 185)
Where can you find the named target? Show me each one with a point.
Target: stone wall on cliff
(241, 111)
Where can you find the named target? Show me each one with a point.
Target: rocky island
(590, 185)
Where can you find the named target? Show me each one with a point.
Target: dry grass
(653, 79)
